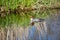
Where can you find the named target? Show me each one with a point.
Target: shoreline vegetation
(19, 12)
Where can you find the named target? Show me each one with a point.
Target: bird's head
(31, 18)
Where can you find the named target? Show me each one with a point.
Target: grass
(14, 3)
(14, 19)
(24, 19)
(26, 3)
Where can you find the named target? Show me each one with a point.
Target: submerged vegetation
(19, 11)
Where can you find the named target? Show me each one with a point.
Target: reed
(23, 18)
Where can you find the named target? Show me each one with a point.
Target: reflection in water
(35, 34)
(31, 34)
(41, 31)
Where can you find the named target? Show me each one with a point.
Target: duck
(33, 19)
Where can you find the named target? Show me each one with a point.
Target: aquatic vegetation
(19, 11)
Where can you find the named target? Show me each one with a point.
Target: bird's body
(36, 20)
(33, 20)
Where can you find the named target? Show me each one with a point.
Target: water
(20, 33)
(47, 30)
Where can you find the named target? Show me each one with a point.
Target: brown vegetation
(19, 10)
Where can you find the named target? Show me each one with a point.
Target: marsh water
(30, 33)
(49, 29)
(46, 30)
